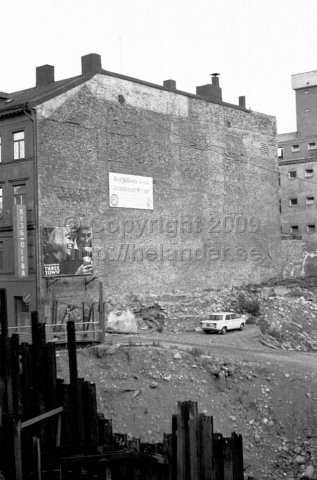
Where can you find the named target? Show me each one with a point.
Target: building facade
(297, 158)
(177, 191)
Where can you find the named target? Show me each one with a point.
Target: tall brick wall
(215, 219)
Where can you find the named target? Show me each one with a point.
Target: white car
(222, 322)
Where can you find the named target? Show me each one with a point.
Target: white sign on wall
(130, 191)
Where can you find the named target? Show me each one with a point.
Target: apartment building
(162, 189)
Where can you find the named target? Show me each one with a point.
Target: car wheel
(223, 331)
(242, 327)
(207, 331)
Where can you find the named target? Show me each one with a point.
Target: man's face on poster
(84, 237)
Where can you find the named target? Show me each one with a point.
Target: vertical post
(37, 458)
(218, 456)
(73, 377)
(206, 447)
(186, 455)
(72, 356)
(17, 450)
(237, 457)
(227, 459)
(3, 312)
(101, 313)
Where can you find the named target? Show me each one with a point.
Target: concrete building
(297, 158)
(178, 190)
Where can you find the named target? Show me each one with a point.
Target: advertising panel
(67, 251)
(20, 241)
(130, 191)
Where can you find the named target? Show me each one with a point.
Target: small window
(280, 152)
(294, 229)
(312, 146)
(311, 228)
(309, 172)
(295, 148)
(292, 174)
(293, 202)
(310, 200)
(18, 145)
(19, 194)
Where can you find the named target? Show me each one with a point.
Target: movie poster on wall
(67, 251)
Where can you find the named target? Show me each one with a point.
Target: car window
(215, 317)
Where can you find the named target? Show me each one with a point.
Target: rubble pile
(289, 323)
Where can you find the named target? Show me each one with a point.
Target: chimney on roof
(44, 75)
(169, 84)
(211, 92)
(242, 101)
(90, 63)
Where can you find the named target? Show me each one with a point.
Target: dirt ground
(273, 404)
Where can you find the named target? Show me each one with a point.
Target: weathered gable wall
(215, 219)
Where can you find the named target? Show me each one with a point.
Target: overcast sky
(256, 45)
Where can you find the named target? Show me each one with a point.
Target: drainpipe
(32, 117)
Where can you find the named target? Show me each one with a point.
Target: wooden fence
(52, 430)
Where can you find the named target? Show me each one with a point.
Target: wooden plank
(27, 386)
(42, 417)
(218, 456)
(173, 452)
(90, 413)
(3, 312)
(101, 313)
(193, 439)
(9, 401)
(72, 353)
(227, 458)
(206, 447)
(15, 372)
(79, 415)
(187, 410)
(37, 458)
(51, 397)
(237, 456)
(17, 450)
(36, 367)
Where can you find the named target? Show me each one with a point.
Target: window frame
(291, 202)
(20, 144)
(311, 228)
(23, 195)
(295, 148)
(310, 202)
(280, 152)
(309, 172)
(311, 146)
(294, 229)
(292, 177)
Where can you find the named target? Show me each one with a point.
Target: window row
(293, 202)
(294, 229)
(309, 172)
(296, 148)
(18, 145)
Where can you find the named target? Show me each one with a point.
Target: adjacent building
(297, 158)
(162, 189)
